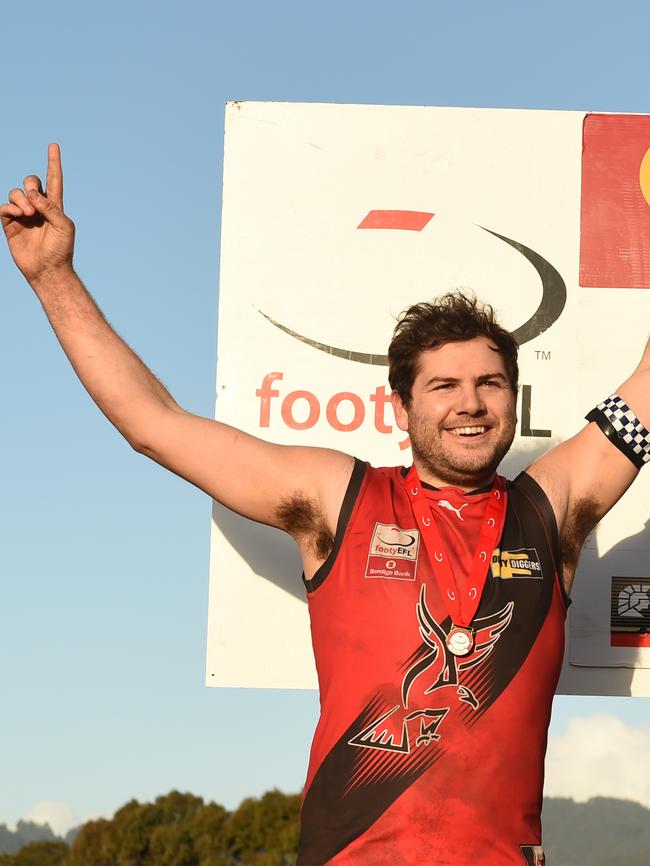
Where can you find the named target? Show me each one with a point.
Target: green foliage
(181, 830)
(92, 847)
(265, 832)
(45, 853)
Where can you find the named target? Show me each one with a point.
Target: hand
(39, 234)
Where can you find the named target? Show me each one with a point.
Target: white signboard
(335, 218)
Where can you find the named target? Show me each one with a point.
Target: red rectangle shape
(407, 220)
(633, 640)
(615, 203)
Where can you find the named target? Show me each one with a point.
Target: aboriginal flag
(615, 213)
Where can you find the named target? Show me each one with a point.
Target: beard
(459, 466)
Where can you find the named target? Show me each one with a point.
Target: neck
(461, 481)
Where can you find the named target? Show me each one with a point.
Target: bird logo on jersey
(433, 681)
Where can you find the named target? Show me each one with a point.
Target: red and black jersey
(420, 756)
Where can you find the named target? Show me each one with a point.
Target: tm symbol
(542, 356)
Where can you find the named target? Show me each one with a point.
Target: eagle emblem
(431, 684)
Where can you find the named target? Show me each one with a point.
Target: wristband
(623, 429)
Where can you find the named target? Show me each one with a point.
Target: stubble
(458, 466)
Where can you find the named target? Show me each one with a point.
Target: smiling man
(437, 592)
(454, 377)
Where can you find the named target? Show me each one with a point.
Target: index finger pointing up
(54, 182)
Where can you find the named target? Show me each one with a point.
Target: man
(436, 666)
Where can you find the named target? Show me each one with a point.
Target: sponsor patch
(630, 612)
(393, 553)
(523, 562)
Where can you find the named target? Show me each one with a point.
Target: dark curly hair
(452, 318)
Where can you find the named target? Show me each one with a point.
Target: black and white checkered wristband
(621, 426)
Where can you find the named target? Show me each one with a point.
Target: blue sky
(104, 557)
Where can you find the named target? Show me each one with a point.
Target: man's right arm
(255, 478)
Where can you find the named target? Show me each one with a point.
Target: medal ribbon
(462, 607)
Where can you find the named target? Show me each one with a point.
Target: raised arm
(297, 489)
(586, 475)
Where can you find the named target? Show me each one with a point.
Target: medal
(462, 607)
(460, 641)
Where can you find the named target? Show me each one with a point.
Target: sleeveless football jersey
(422, 757)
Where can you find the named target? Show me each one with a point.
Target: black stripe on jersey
(539, 500)
(349, 500)
(530, 612)
(338, 808)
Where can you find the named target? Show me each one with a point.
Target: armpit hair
(580, 522)
(300, 516)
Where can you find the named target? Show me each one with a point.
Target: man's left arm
(586, 475)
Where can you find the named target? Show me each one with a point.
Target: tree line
(178, 830)
(182, 830)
